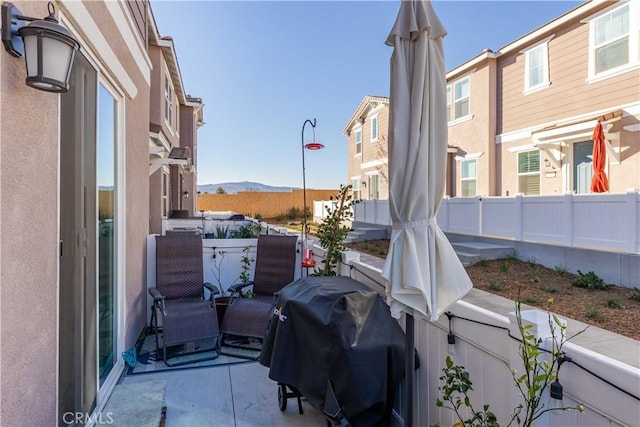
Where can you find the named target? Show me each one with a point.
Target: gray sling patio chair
(178, 299)
(275, 268)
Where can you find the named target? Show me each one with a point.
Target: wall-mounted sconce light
(185, 194)
(47, 46)
(547, 163)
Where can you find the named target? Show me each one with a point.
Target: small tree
(539, 374)
(221, 190)
(332, 231)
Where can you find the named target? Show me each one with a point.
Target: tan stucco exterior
(30, 209)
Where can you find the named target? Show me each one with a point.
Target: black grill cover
(334, 333)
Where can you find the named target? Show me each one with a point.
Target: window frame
(469, 178)
(356, 188)
(545, 82)
(452, 101)
(371, 187)
(168, 100)
(529, 173)
(633, 38)
(374, 119)
(164, 192)
(358, 144)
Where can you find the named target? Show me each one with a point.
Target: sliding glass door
(89, 223)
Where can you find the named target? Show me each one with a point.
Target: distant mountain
(234, 187)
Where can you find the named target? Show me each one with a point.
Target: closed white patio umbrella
(424, 275)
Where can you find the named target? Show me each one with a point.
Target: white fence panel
(464, 215)
(501, 217)
(543, 219)
(598, 221)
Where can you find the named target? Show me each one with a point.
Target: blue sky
(263, 68)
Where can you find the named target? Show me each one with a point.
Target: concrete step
(483, 250)
(362, 234)
(467, 259)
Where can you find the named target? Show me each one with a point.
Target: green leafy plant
(482, 262)
(531, 300)
(504, 266)
(613, 303)
(512, 257)
(455, 395)
(294, 212)
(248, 231)
(560, 269)
(532, 262)
(221, 232)
(589, 280)
(594, 314)
(534, 272)
(246, 262)
(635, 294)
(539, 373)
(332, 231)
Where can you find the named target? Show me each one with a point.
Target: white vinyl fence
(594, 221)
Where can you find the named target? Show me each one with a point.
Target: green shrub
(504, 266)
(294, 212)
(593, 314)
(635, 294)
(560, 269)
(590, 281)
(613, 303)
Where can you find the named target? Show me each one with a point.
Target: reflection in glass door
(582, 166)
(107, 223)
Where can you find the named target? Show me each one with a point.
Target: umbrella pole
(409, 368)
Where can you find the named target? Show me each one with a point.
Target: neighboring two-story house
(521, 119)
(174, 120)
(367, 160)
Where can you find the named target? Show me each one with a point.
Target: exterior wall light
(185, 194)
(47, 46)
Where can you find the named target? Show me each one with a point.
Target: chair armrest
(157, 296)
(215, 290)
(239, 286)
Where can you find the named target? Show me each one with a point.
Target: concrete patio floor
(239, 395)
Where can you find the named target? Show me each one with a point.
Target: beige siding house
(367, 160)
(75, 210)
(521, 119)
(174, 120)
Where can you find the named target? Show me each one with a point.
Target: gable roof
(367, 103)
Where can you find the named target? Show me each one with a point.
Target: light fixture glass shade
(49, 53)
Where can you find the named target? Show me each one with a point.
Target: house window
(611, 46)
(168, 101)
(359, 141)
(536, 70)
(458, 99)
(356, 189)
(374, 128)
(529, 172)
(165, 194)
(468, 178)
(373, 184)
